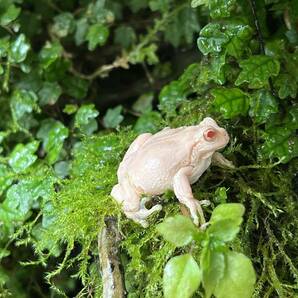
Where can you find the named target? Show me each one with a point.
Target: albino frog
(171, 159)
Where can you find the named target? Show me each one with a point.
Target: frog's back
(154, 165)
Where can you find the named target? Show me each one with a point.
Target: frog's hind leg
(133, 208)
(141, 215)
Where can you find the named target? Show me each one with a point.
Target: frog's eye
(209, 134)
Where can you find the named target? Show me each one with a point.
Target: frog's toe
(144, 223)
(205, 202)
(155, 208)
(144, 201)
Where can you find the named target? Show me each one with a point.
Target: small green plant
(222, 272)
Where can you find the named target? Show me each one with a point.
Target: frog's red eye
(209, 134)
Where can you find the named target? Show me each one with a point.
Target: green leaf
(171, 97)
(81, 31)
(84, 117)
(113, 117)
(125, 36)
(22, 104)
(75, 87)
(213, 267)
(229, 211)
(220, 195)
(49, 93)
(230, 102)
(280, 142)
(179, 230)
(4, 46)
(287, 86)
(148, 122)
(225, 221)
(62, 168)
(218, 8)
(64, 24)
(22, 197)
(233, 37)
(143, 103)
(19, 49)
(6, 177)
(256, 70)
(182, 277)
(11, 13)
(239, 278)
(212, 39)
(97, 35)
(50, 53)
(52, 133)
(23, 156)
(262, 105)
(70, 109)
(182, 27)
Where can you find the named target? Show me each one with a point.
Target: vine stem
(125, 59)
(253, 7)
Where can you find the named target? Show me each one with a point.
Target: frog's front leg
(183, 192)
(220, 160)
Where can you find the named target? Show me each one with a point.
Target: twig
(260, 37)
(108, 241)
(124, 60)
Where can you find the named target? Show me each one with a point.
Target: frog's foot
(205, 203)
(141, 215)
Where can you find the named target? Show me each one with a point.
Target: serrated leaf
(182, 277)
(231, 38)
(6, 177)
(22, 104)
(113, 117)
(143, 103)
(212, 39)
(19, 49)
(21, 197)
(213, 267)
(182, 27)
(256, 70)
(97, 35)
(239, 277)
(171, 97)
(280, 142)
(49, 93)
(10, 14)
(84, 118)
(50, 53)
(52, 133)
(23, 156)
(178, 230)
(287, 86)
(218, 8)
(64, 24)
(230, 102)
(262, 105)
(148, 122)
